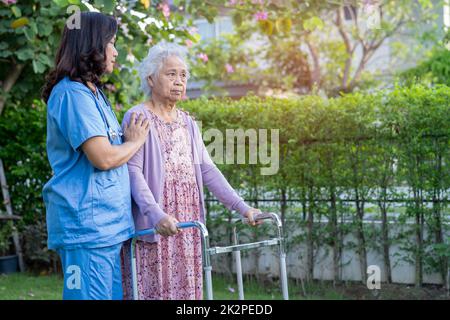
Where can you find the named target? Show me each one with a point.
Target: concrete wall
(402, 271)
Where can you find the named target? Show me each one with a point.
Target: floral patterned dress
(171, 268)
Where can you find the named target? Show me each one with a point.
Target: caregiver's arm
(105, 156)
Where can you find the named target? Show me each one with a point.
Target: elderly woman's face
(171, 82)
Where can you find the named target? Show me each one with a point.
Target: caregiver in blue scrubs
(88, 200)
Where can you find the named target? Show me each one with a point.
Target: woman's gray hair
(155, 59)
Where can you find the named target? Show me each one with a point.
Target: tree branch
(348, 47)
(315, 76)
(8, 83)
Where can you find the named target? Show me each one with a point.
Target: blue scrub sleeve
(78, 117)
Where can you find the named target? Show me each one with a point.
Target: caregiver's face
(110, 55)
(171, 82)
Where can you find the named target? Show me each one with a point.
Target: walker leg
(283, 276)
(237, 256)
(209, 291)
(134, 269)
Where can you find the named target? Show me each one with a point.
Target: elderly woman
(167, 176)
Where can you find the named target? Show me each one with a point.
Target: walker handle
(264, 216)
(152, 231)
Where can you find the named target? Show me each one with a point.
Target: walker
(236, 248)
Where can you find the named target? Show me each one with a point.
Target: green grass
(24, 286)
(224, 289)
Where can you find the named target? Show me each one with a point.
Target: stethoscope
(112, 134)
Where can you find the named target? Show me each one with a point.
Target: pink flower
(229, 68)
(261, 15)
(110, 87)
(232, 2)
(203, 57)
(7, 2)
(188, 43)
(165, 9)
(192, 30)
(258, 2)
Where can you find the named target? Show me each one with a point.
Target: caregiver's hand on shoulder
(167, 226)
(137, 130)
(105, 156)
(250, 215)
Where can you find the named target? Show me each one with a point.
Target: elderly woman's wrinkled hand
(167, 226)
(251, 215)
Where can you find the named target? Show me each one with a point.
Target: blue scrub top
(86, 207)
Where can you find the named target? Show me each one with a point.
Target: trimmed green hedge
(336, 156)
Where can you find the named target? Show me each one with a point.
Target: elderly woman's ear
(150, 81)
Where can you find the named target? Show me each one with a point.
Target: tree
(331, 42)
(30, 32)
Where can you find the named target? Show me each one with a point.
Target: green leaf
(25, 54)
(61, 3)
(237, 19)
(45, 29)
(16, 11)
(5, 53)
(108, 6)
(197, 37)
(99, 3)
(38, 67)
(34, 27)
(426, 4)
(266, 27)
(18, 23)
(45, 59)
(313, 23)
(29, 34)
(283, 25)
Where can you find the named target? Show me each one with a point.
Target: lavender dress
(172, 267)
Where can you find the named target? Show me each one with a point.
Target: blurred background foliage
(333, 144)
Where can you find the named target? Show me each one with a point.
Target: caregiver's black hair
(81, 53)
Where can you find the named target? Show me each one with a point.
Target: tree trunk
(315, 74)
(361, 238)
(335, 235)
(419, 241)
(229, 258)
(310, 239)
(304, 206)
(283, 206)
(255, 234)
(438, 232)
(438, 236)
(386, 245)
(8, 83)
